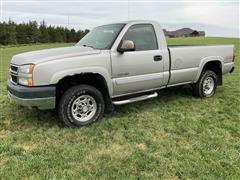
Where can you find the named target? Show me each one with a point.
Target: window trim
(154, 35)
(110, 47)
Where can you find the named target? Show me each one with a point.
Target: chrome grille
(14, 73)
(14, 78)
(14, 68)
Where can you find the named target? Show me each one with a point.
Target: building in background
(184, 32)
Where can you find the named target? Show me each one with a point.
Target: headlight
(25, 76)
(26, 69)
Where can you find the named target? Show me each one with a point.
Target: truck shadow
(165, 95)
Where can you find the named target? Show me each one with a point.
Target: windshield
(101, 37)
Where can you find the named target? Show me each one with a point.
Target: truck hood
(36, 57)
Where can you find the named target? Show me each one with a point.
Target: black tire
(198, 88)
(69, 97)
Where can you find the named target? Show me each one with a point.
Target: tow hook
(232, 69)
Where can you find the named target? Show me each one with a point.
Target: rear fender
(204, 61)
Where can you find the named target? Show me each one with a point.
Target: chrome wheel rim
(84, 108)
(208, 85)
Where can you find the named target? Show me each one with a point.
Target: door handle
(157, 58)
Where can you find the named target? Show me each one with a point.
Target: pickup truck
(114, 64)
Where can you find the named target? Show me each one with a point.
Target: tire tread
(68, 96)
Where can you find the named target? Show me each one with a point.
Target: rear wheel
(206, 85)
(81, 105)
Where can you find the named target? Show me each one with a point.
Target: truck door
(138, 70)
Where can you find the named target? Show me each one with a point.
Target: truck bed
(187, 59)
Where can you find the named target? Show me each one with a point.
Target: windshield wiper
(85, 45)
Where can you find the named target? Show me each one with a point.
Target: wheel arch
(98, 71)
(94, 79)
(211, 63)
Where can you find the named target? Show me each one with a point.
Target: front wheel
(206, 85)
(81, 105)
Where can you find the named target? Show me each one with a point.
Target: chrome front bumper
(39, 97)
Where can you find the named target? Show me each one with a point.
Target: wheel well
(93, 79)
(216, 67)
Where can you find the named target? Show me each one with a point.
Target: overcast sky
(217, 18)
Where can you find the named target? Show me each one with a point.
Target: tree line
(33, 32)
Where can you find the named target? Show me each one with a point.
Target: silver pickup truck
(114, 64)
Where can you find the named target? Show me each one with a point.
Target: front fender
(205, 61)
(70, 72)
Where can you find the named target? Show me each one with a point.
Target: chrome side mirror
(126, 45)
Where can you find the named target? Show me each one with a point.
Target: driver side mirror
(126, 45)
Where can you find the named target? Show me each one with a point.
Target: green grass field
(174, 136)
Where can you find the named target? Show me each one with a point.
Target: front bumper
(40, 97)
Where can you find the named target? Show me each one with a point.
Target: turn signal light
(30, 82)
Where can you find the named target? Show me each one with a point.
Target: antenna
(128, 9)
(68, 22)
(1, 10)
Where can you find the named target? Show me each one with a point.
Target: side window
(143, 36)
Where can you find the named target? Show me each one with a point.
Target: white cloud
(216, 18)
(221, 14)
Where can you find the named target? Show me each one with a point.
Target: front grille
(14, 68)
(14, 73)
(14, 78)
